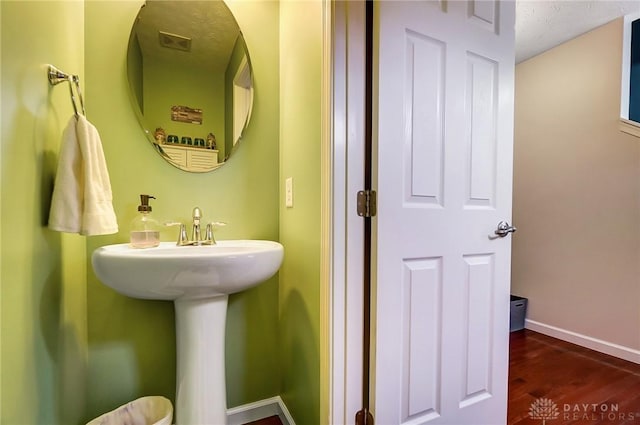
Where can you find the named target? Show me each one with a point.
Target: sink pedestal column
(201, 395)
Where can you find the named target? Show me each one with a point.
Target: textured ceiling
(209, 24)
(540, 26)
(544, 24)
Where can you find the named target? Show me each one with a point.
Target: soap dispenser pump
(145, 230)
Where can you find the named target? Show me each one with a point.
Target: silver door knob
(504, 228)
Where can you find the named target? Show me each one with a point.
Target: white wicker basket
(152, 410)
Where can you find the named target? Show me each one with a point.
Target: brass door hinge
(367, 203)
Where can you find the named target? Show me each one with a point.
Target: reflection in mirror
(191, 81)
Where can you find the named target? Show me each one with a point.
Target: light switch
(288, 192)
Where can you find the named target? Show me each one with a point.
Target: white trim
(629, 127)
(347, 229)
(626, 68)
(242, 99)
(337, 396)
(326, 202)
(599, 345)
(626, 64)
(260, 410)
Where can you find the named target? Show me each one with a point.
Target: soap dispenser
(144, 230)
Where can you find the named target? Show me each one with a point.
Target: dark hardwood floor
(580, 386)
(272, 420)
(584, 386)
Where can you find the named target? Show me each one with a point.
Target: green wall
(71, 348)
(198, 89)
(300, 129)
(43, 299)
(134, 71)
(132, 342)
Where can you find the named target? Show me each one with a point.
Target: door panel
(444, 134)
(424, 146)
(477, 344)
(421, 323)
(481, 121)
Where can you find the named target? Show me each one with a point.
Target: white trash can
(152, 410)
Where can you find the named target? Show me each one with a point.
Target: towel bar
(56, 76)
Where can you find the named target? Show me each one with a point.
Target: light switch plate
(288, 192)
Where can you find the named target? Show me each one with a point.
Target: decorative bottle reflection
(211, 141)
(159, 135)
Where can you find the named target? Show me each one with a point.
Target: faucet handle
(182, 236)
(209, 239)
(182, 233)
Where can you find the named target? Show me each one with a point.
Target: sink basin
(199, 280)
(168, 272)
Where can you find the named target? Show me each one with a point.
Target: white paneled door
(444, 129)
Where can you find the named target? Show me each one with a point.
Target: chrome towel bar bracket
(56, 77)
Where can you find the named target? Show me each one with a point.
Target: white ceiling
(544, 24)
(540, 24)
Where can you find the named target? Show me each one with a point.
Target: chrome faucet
(196, 232)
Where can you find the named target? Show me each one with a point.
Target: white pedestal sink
(198, 279)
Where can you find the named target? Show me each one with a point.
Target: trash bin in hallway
(518, 313)
(152, 410)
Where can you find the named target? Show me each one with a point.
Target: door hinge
(364, 417)
(367, 203)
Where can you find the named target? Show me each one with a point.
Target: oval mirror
(191, 81)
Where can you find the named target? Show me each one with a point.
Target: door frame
(342, 165)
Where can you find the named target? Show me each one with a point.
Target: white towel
(81, 201)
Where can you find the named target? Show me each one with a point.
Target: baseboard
(605, 347)
(273, 406)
